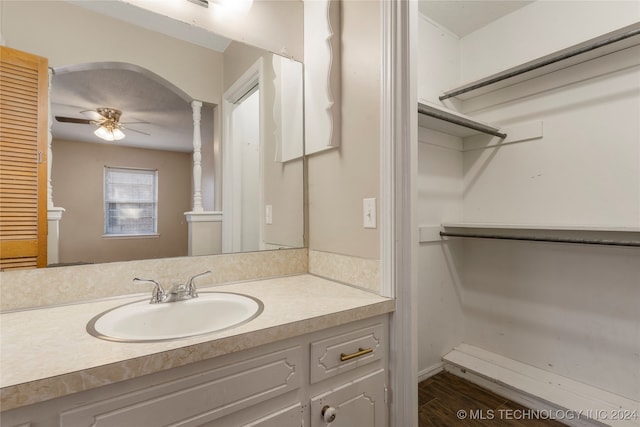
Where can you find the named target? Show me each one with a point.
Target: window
(130, 201)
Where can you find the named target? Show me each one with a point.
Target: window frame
(105, 202)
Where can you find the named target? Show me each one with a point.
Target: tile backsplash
(59, 285)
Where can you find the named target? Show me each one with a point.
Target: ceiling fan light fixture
(109, 134)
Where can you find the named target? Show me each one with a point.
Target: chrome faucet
(178, 292)
(157, 294)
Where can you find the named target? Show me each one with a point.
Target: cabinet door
(23, 167)
(356, 403)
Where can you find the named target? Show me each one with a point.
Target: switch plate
(369, 211)
(268, 214)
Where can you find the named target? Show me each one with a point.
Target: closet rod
(543, 239)
(460, 121)
(543, 63)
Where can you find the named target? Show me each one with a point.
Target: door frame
(398, 171)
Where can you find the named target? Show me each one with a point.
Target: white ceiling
(463, 17)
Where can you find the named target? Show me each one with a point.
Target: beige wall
(68, 34)
(273, 25)
(283, 184)
(77, 175)
(339, 179)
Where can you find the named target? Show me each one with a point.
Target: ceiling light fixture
(109, 129)
(109, 133)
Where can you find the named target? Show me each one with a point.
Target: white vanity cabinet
(357, 360)
(283, 384)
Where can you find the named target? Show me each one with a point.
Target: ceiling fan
(110, 128)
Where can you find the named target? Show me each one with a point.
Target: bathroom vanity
(318, 352)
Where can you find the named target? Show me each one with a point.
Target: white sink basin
(143, 322)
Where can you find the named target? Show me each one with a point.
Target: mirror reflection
(162, 148)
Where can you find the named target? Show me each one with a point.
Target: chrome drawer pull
(361, 352)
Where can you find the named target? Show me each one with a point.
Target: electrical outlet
(369, 211)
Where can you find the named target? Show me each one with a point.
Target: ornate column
(54, 214)
(196, 106)
(205, 228)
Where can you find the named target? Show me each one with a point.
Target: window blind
(130, 201)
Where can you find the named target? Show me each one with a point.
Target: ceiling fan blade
(74, 120)
(133, 130)
(92, 114)
(134, 123)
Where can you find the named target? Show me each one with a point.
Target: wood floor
(446, 400)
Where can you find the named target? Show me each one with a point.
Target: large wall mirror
(206, 153)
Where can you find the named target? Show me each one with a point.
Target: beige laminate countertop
(47, 352)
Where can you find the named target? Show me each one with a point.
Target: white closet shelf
(605, 44)
(453, 123)
(537, 386)
(588, 235)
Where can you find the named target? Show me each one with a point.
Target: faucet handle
(191, 286)
(158, 292)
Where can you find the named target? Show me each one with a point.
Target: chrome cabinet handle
(361, 352)
(328, 414)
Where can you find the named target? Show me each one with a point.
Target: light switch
(369, 210)
(268, 214)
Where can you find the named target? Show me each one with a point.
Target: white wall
(568, 309)
(440, 292)
(585, 169)
(538, 29)
(438, 60)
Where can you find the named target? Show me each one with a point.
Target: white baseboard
(430, 371)
(568, 401)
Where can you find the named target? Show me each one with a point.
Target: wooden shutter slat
(19, 73)
(19, 146)
(24, 68)
(16, 117)
(19, 86)
(18, 263)
(8, 103)
(15, 76)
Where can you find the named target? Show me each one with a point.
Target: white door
(242, 136)
(246, 177)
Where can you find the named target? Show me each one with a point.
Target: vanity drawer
(342, 353)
